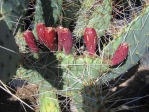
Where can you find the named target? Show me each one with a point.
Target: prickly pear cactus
(78, 77)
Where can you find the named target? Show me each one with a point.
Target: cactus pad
(9, 56)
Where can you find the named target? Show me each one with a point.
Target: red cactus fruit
(120, 54)
(59, 39)
(30, 40)
(64, 39)
(40, 32)
(49, 38)
(90, 39)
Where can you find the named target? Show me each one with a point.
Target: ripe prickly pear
(49, 38)
(40, 28)
(59, 41)
(120, 54)
(90, 38)
(30, 40)
(64, 39)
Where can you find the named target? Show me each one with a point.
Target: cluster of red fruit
(47, 36)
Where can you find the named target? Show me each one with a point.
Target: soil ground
(8, 105)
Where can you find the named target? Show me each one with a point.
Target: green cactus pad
(57, 9)
(47, 99)
(12, 12)
(78, 73)
(9, 56)
(95, 15)
(136, 35)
